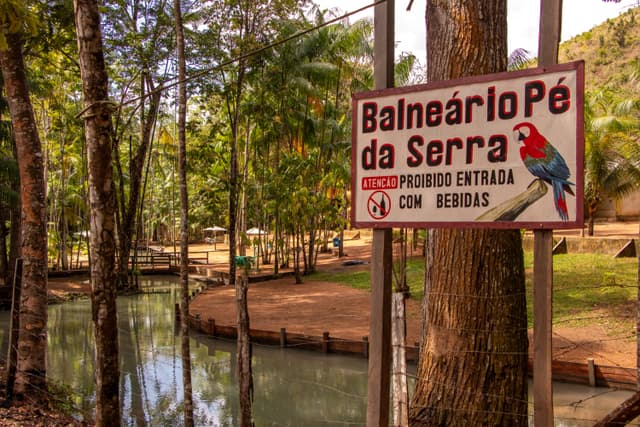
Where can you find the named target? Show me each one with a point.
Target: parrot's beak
(519, 135)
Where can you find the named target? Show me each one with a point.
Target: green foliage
(612, 132)
(519, 59)
(62, 398)
(16, 16)
(612, 158)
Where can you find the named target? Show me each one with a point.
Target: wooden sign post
(465, 153)
(549, 38)
(381, 256)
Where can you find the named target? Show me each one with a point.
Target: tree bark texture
(32, 341)
(99, 140)
(625, 413)
(465, 38)
(245, 377)
(184, 218)
(473, 361)
(129, 206)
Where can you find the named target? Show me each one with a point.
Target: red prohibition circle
(379, 205)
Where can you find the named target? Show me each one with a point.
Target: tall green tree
(138, 56)
(32, 339)
(240, 26)
(184, 217)
(473, 361)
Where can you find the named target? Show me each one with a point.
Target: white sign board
(499, 151)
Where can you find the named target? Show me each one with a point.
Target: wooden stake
(398, 338)
(380, 330)
(591, 369)
(548, 41)
(542, 345)
(381, 254)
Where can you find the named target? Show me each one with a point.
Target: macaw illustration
(545, 162)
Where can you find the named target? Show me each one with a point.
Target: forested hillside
(610, 51)
(612, 111)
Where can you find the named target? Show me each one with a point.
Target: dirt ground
(315, 307)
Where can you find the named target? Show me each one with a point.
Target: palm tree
(612, 158)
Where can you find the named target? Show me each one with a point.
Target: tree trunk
(626, 412)
(15, 228)
(14, 237)
(99, 140)
(62, 220)
(473, 361)
(32, 341)
(184, 218)
(296, 257)
(245, 376)
(128, 206)
(243, 201)
(4, 260)
(591, 209)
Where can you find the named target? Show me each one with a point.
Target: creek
(291, 387)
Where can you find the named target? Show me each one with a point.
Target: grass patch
(362, 279)
(587, 288)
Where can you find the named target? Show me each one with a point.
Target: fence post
(365, 347)
(325, 342)
(283, 337)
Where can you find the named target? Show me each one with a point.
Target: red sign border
(577, 66)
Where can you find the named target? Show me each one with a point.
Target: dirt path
(310, 308)
(315, 307)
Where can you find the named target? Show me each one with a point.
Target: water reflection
(292, 388)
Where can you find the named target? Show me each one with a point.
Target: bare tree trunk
(296, 256)
(128, 206)
(243, 201)
(14, 237)
(99, 140)
(472, 367)
(184, 218)
(32, 340)
(591, 222)
(62, 221)
(4, 260)
(13, 215)
(245, 379)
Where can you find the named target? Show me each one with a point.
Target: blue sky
(578, 17)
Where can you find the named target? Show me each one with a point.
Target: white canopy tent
(215, 230)
(255, 231)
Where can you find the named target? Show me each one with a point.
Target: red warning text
(380, 182)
